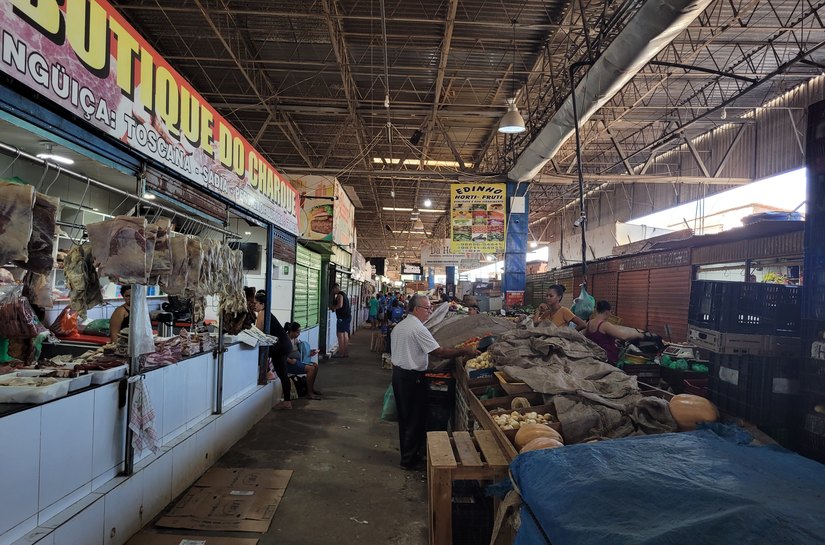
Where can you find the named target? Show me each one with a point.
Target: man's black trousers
(410, 392)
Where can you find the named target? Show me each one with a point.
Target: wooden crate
(457, 457)
(510, 385)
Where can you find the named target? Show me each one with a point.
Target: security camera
(579, 221)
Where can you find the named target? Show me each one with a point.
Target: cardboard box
(146, 538)
(230, 500)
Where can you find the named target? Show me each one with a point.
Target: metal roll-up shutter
(668, 302)
(606, 286)
(633, 298)
(284, 246)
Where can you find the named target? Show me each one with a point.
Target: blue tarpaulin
(677, 488)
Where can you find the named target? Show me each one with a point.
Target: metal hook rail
(18, 154)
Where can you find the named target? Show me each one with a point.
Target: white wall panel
(20, 470)
(66, 448)
(107, 437)
(85, 528)
(122, 505)
(157, 486)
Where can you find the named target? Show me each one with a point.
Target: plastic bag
(17, 319)
(66, 323)
(390, 411)
(97, 327)
(584, 305)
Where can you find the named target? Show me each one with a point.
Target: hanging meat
(208, 266)
(232, 298)
(16, 217)
(162, 261)
(82, 279)
(41, 244)
(38, 288)
(174, 283)
(194, 250)
(151, 238)
(119, 246)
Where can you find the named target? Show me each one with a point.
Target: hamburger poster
(326, 213)
(478, 218)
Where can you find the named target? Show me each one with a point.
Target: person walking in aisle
(412, 344)
(279, 352)
(343, 313)
(373, 304)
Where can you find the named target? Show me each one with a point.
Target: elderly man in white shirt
(411, 345)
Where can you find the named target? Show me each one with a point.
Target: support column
(431, 278)
(451, 281)
(515, 254)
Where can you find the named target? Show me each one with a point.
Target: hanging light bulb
(512, 122)
(418, 225)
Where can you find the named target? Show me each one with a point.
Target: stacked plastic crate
(812, 401)
(751, 331)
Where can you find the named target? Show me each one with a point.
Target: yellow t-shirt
(561, 318)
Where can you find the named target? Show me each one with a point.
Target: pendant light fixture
(512, 122)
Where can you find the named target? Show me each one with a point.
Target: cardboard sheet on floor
(230, 500)
(147, 538)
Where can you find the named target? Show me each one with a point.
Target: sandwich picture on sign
(320, 219)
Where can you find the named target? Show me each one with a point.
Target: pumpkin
(688, 410)
(541, 443)
(528, 432)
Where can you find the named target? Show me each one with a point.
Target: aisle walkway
(347, 487)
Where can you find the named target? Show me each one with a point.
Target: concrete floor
(346, 487)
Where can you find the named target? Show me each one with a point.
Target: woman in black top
(280, 351)
(120, 317)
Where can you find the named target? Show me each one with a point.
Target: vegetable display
(689, 410)
(514, 420)
(530, 431)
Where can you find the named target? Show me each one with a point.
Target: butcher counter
(64, 462)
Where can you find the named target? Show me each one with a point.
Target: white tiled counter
(60, 482)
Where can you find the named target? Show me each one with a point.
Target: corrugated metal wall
(633, 298)
(787, 245)
(668, 301)
(606, 286)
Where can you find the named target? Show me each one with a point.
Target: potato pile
(484, 361)
(514, 420)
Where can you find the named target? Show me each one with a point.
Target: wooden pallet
(457, 457)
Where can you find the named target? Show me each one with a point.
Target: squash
(688, 410)
(528, 432)
(541, 443)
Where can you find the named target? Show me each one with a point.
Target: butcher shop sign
(84, 56)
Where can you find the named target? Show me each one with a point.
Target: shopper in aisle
(343, 313)
(299, 361)
(120, 317)
(279, 352)
(373, 304)
(396, 312)
(606, 334)
(554, 312)
(411, 346)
